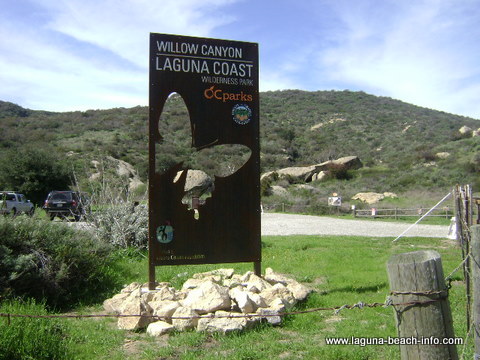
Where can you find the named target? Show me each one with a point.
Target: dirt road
(292, 224)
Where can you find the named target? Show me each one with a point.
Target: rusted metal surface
(218, 81)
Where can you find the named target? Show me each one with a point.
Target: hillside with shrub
(398, 143)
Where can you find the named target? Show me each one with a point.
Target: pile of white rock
(215, 301)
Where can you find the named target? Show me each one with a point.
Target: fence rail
(395, 213)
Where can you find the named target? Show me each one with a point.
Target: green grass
(342, 270)
(35, 338)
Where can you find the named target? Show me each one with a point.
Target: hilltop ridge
(397, 142)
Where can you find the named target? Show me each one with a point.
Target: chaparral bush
(52, 262)
(122, 224)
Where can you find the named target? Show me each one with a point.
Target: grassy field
(342, 270)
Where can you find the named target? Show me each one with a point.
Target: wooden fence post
(418, 277)
(475, 230)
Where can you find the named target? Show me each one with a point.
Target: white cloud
(91, 54)
(123, 26)
(418, 52)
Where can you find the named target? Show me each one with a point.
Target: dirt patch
(132, 347)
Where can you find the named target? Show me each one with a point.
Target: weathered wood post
(475, 230)
(418, 277)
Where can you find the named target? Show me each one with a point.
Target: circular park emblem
(241, 114)
(165, 234)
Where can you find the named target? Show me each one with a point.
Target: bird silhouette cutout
(176, 147)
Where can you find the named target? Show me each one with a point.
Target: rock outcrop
(344, 163)
(300, 173)
(122, 169)
(372, 197)
(216, 301)
(316, 172)
(442, 155)
(465, 130)
(197, 182)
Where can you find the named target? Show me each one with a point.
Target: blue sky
(64, 55)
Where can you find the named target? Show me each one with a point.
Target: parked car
(14, 203)
(65, 204)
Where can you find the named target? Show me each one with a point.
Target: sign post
(218, 81)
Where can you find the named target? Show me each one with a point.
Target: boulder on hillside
(320, 176)
(345, 163)
(269, 176)
(302, 173)
(122, 169)
(197, 182)
(372, 197)
(465, 130)
(442, 155)
(313, 172)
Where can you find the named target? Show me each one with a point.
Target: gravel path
(292, 224)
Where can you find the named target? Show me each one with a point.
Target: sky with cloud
(63, 55)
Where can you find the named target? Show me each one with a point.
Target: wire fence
(335, 309)
(429, 297)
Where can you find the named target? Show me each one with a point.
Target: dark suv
(65, 204)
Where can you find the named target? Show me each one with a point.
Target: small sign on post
(335, 201)
(218, 81)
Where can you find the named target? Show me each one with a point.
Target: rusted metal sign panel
(218, 81)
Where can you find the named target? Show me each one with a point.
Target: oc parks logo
(241, 114)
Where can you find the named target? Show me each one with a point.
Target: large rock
(131, 287)
(115, 304)
(165, 293)
(134, 306)
(208, 297)
(465, 130)
(197, 182)
(278, 291)
(368, 197)
(320, 176)
(222, 323)
(127, 171)
(299, 291)
(256, 284)
(192, 284)
(243, 301)
(442, 155)
(298, 173)
(271, 316)
(164, 309)
(372, 197)
(313, 172)
(269, 176)
(185, 318)
(159, 328)
(344, 163)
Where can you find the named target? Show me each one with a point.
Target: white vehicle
(14, 203)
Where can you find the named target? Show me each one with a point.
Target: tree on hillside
(33, 172)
